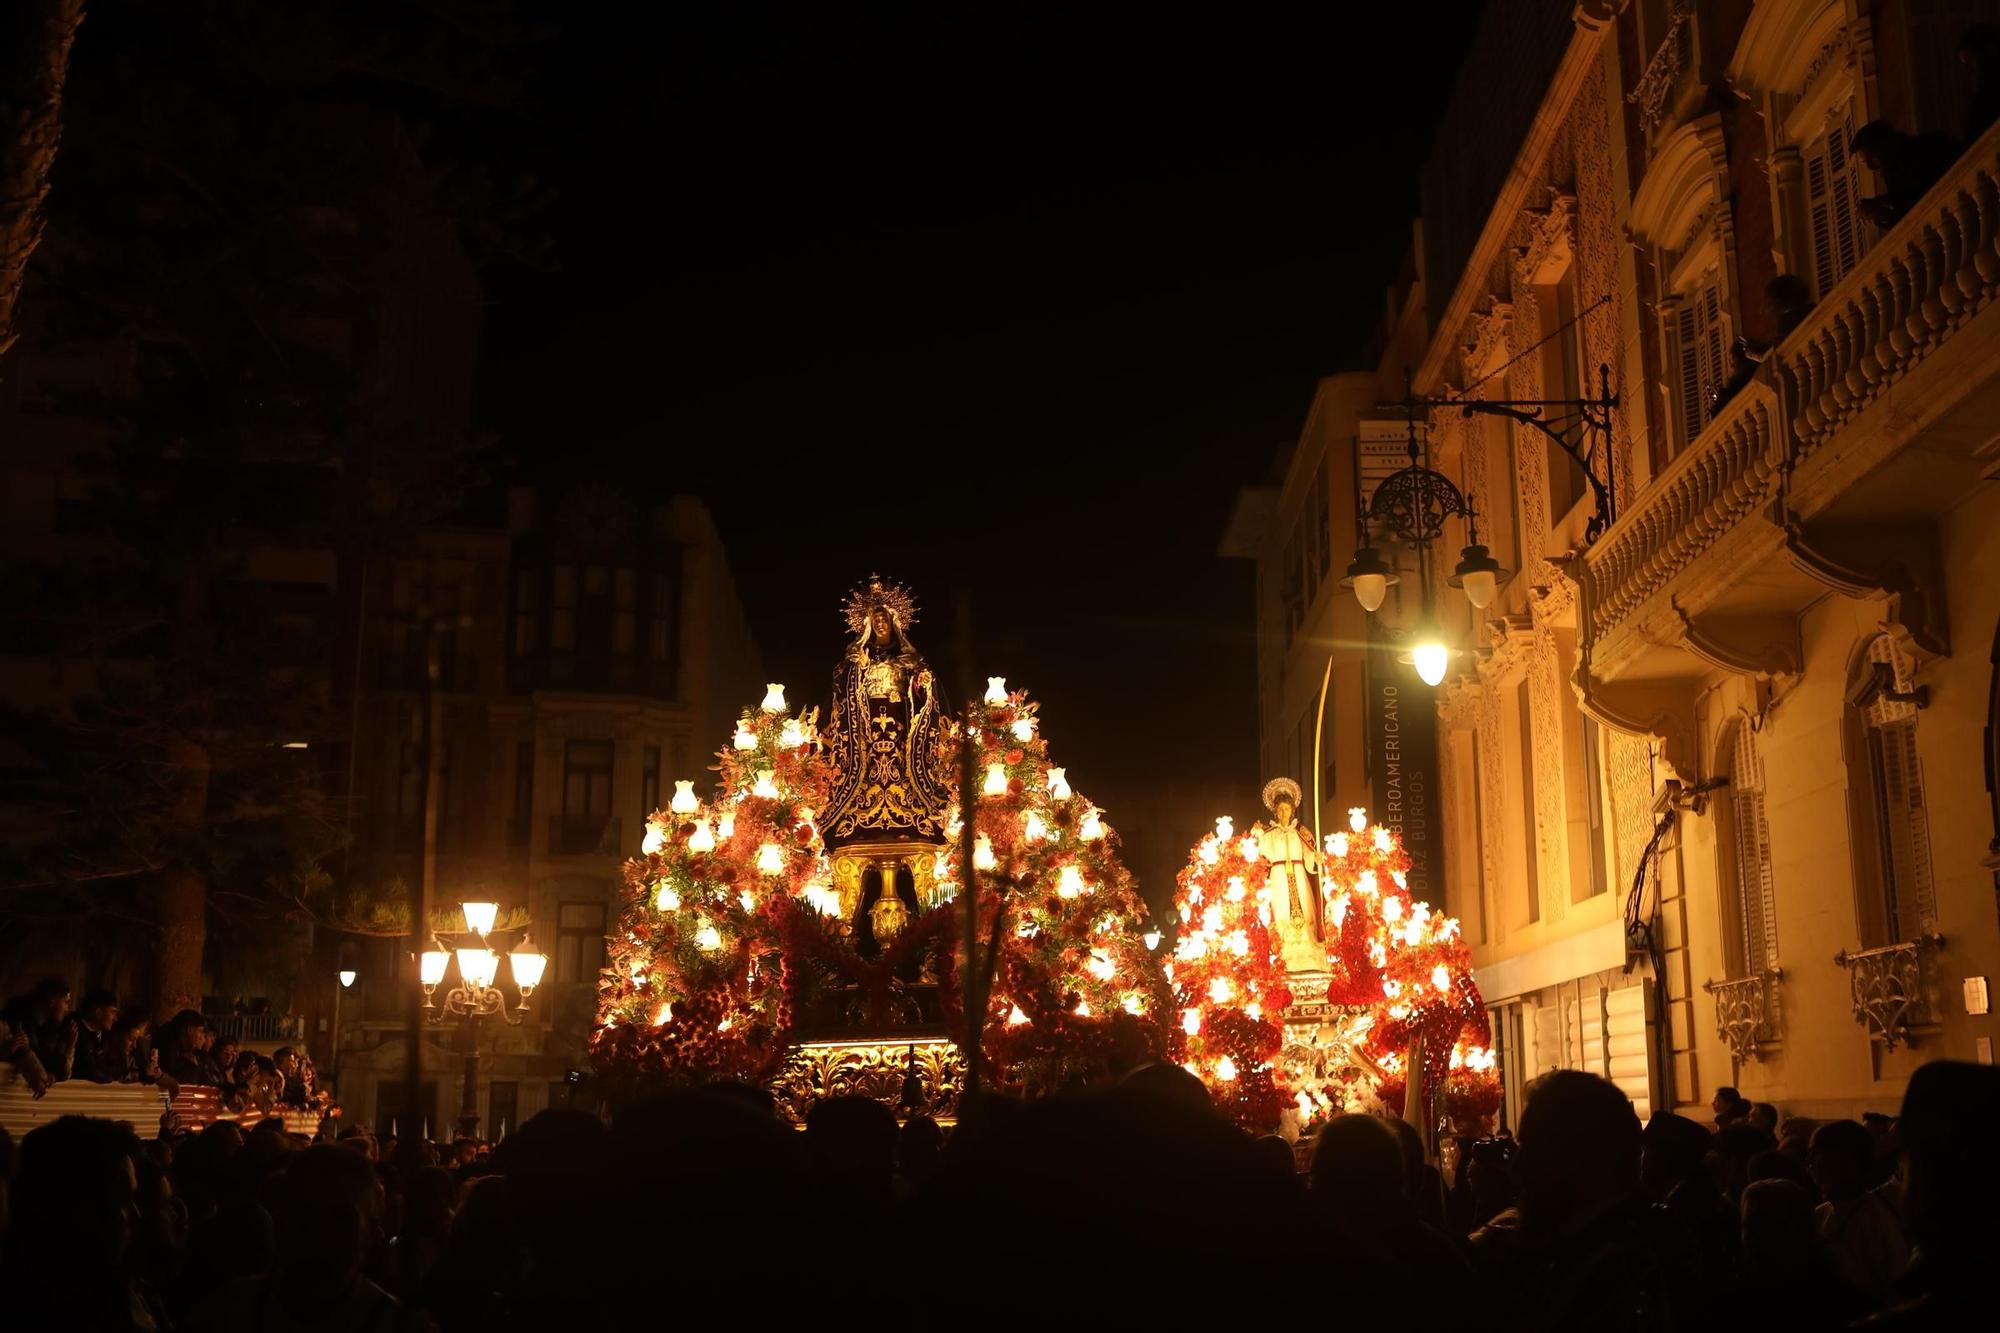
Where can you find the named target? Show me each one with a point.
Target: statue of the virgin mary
(885, 728)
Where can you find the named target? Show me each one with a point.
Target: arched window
(1896, 896)
(1751, 909)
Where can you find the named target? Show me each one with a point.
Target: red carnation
(1014, 787)
(1013, 756)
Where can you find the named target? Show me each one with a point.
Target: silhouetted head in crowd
(851, 1143)
(1360, 1177)
(1674, 1151)
(329, 1218)
(1765, 1117)
(919, 1150)
(1777, 1164)
(1579, 1147)
(1728, 1105)
(1839, 1159)
(1171, 1082)
(1953, 1174)
(1778, 1227)
(74, 1206)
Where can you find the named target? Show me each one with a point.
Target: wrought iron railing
(1746, 1016)
(257, 1027)
(1891, 988)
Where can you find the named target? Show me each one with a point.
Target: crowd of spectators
(48, 1040)
(1131, 1201)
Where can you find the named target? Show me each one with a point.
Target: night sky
(1005, 304)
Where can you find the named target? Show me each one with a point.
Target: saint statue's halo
(891, 597)
(1280, 787)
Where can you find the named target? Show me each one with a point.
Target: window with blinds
(1833, 193)
(1754, 945)
(1908, 904)
(1702, 342)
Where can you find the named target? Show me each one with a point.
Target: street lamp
(475, 996)
(347, 977)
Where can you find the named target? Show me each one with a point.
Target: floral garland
(1230, 985)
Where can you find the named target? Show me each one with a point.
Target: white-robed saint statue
(1294, 879)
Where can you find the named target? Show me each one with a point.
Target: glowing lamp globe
(347, 975)
(665, 898)
(725, 827)
(708, 938)
(478, 967)
(430, 967)
(1069, 884)
(528, 965)
(1369, 576)
(1478, 575)
(703, 837)
(1225, 1069)
(1024, 729)
(1225, 828)
(684, 802)
(996, 689)
(1092, 827)
(793, 735)
(1152, 938)
(1431, 658)
(479, 916)
(982, 854)
(1357, 819)
(774, 698)
(1034, 830)
(746, 739)
(770, 861)
(1058, 785)
(765, 786)
(655, 839)
(996, 780)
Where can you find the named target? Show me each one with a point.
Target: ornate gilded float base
(818, 1070)
(1322, 1053)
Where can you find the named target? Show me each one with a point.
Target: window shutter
(1842, 197)
(1714, 363)
(1819, 210)
(1905, 829)
(1690, 368)
(1757, 929)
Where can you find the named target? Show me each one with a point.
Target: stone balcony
(1828, 471)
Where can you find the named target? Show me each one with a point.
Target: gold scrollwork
(877, 1069)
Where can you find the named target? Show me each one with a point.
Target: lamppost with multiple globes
(476, 950)
(1414, 503)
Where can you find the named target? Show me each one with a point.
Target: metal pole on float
(1319, 767)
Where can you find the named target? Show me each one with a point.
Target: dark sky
(1003, 303)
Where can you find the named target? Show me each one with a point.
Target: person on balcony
(1908, 165)
(95, 1057)
(1979, 51)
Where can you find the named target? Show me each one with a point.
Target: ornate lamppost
(1414, 503)
(476, 950)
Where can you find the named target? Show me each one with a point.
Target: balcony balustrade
(1828, 469)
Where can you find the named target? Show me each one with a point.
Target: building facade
(591, 649)
(1716, 767)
